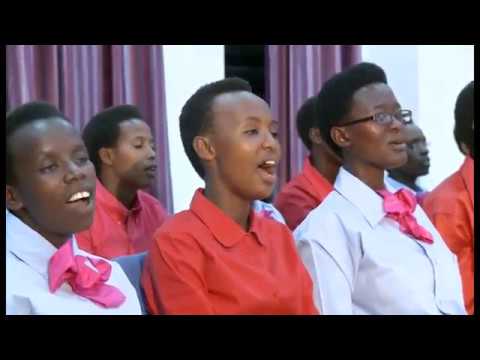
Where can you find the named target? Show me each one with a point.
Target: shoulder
(298, 181)
(333, 208)
(18, 274)
(322, 216)
(446, 197)
(145, 196)
(22, 283)
(184, 221)
(295, 199)
(334, 224)
(270, 225)
(184, 227)
(276, 235)
(296, 187)
(150, 201)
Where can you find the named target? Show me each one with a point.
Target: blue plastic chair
(132, 265)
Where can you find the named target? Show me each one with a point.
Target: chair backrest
(132, 265)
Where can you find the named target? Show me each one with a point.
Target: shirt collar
(467, 173)
(318, 181)
(113, 205)
(397, 185)
(224, 228)
(28, 245)
(361, 196)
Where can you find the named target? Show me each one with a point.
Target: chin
(144, 185)
(397, 162)
(82, 224)
(263, 193)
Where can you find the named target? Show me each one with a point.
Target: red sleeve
(294, 208)
(173, 276)
(452, 224)
(309, 307)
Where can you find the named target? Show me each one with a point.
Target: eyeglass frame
(372, 117)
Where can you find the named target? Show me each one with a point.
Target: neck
(410, 181)
(324, 165)
(124, 193)
(372, 176)
(233, 206)
(55, 239)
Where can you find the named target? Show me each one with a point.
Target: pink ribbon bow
(400, 207)
(82, 277)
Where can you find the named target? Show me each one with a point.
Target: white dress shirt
(397, 185)
(361, 263)
(27, 293)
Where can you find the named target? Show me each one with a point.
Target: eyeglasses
(385, 119)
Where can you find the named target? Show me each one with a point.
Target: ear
(315, 136)
(106, 156)
(340, 136)
(465, 149)
(204, 148)
(12, 198)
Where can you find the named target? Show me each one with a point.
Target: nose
(396, 124)
(270, 143)
(424, 149)
(151, 152)
(74, 172)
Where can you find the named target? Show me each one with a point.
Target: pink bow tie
(400, 207)
(84, 280)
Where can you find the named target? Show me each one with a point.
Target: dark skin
(233, 151)
(418, 162)
(51, 165)
(130, 165)
(369, 148)
(322, 157)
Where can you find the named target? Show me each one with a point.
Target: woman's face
(370, 143)
(54, 191)
(244, 138)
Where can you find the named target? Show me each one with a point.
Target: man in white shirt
(363, 259)
(418, 162)
(50, 189)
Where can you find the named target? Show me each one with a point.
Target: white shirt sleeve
(332, 293)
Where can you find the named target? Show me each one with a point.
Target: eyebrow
(380, 106)
(42, 155)
(141, 137)
(76, 148)
(257, 119)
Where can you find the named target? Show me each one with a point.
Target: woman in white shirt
(368, 251)
(50, 188)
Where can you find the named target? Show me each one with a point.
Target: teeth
(79, 196)
(270, 162)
